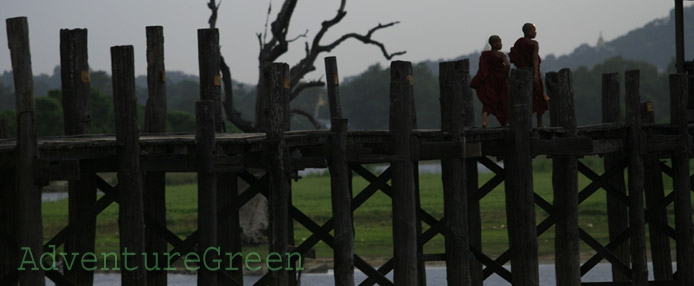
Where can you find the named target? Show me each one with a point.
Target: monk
(525, 53)
(491, 82)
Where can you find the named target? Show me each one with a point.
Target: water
(436, 276)
(53, 196)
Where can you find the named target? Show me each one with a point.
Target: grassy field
(372, 221)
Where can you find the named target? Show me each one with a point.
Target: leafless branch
(213, 17)
(267, 20)
(302, 86)
(310, 118)
(232, 114)
(304, 35)
(366, 39)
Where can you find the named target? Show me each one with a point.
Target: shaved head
(527, 27)
(493, 39)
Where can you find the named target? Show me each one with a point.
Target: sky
(428, 30)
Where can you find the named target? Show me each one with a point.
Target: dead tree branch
(310, 118)
(302, 86)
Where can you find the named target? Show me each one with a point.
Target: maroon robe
(491, 84)
(522, 56)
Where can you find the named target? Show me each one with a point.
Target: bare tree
(278, 45)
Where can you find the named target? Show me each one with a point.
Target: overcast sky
(434, 29)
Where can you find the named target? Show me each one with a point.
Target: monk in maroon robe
(525, 53)
(491, 82)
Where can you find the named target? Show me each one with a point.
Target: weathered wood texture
(452, 82)
(617, 216)
(565, 182)
(657, 210)
(404, 202)
(210, 79)
(77, 117)
(681, 181)
(130, 208)
(28, 204)
(636, 200)
(277, 160)
(155, 122)
(341, 195)
(520, 204)
(207, 189)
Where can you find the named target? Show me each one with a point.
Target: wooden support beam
(404, 201)
(577, 146)
(617, 217)
(130, 208)
(207, 190)
(520, 205)
(275, 75)
(341, 192)
(453, 149)
(155, 122)
(636, 173)
(471, 186)
(567, 258)
(681, 181)
(8, 223)
(452, 81)
(28, 204)
(655, 199)
(77, 116)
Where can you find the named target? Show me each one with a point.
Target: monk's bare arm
(536, 60)
(506, 63)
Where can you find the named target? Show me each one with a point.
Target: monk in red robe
(525, 53)
(491, 82)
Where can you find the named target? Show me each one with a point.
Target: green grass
(372, 221)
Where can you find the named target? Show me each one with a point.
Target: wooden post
(617, 217)
(520, 204)
(339, 182)
(77, 116)
(452, 81)
(471, 185)
(635, 172)
(565, 182)
(210, 79)
(681, 181)
(276, 80)
(8, 222)
(155, 122)
(404, 201)
(28, 206)
(207, 189)
(130, 211)
(655, 202)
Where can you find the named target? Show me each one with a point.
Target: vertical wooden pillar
(617, 217)
(452, 81)
(8, 222)
(636, 201)
(30, 230)
(339, 182)
(207, 190)
(681, 181)
(276, 79)
(210, 78)
(130, 211)
(404, 201)
(565, 182)
(655, 202)
(77, 116)
(520, 204)
(155, 122)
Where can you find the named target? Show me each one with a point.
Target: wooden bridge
(267, 161)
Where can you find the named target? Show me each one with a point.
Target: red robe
(491, 84)
(522, 56)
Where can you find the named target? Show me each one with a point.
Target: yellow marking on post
(163, 76)
(649, 106)
(336, 79)
(217, 80)
(86, 77)
(410, 78)
(286, 83)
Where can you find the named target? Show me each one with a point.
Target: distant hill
(653, 43)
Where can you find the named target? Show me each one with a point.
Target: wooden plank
(681, 181)
(617, 217)
(404, 201)
(567, 258)
(277, 160)
(130, 207)
(155, 122)
(207, 189)
(452, 81)
(655, 197)
(563, 146)
(451, 149)
(28, 204)
(520, 205)
(636, 173)
(77, 116)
